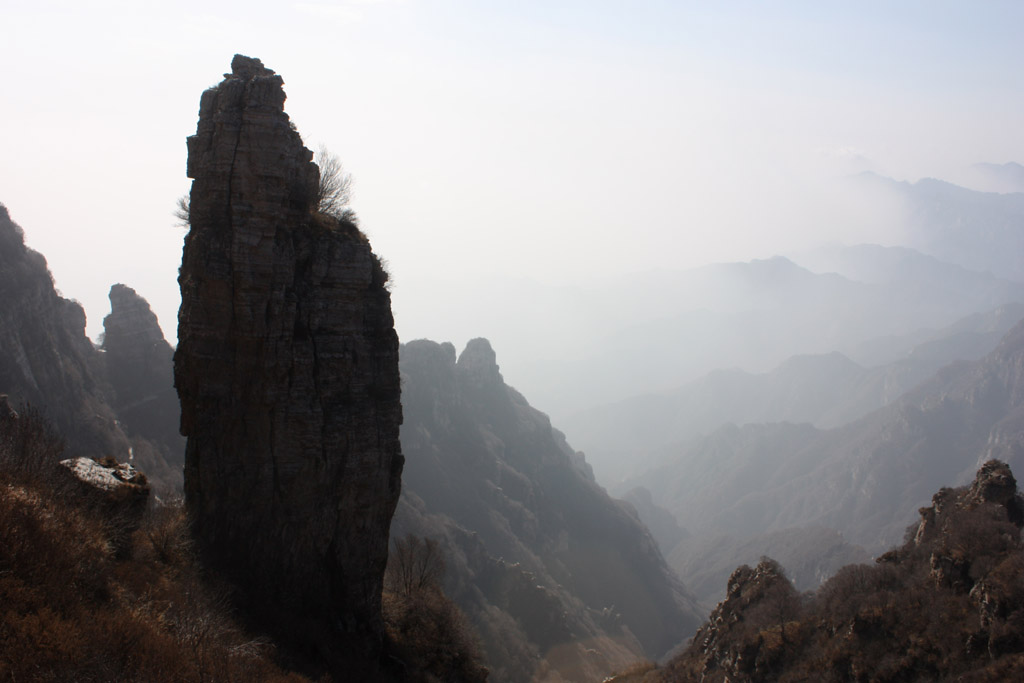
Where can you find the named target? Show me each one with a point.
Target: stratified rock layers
(287, 370)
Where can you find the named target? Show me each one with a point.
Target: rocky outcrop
(948, 604)
(942, 527)
(562, 582)
(114, 492)
(763, 588)
(287, 370)
(140, 368)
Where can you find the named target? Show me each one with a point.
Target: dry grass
(83, 597)
(73, 608)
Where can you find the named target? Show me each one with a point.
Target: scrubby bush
(425, 629)
(30, 449)
(946, 605)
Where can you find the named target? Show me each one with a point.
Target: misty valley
(792, 468)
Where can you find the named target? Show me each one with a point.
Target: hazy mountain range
(826, 390)
(864, 480)
(574, 347)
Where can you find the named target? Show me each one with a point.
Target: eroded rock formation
(287, 370)
(562, 582)
(139, 366)
(118, 404)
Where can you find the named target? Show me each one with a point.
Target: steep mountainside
(946, 605)
(865, 479)
(45, 357)
(46, 360)
(827, 391)
(560, 579)
(287, 371)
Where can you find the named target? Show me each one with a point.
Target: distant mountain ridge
(653, 331)
(827, 390)
(865, 479)
(1003, 178)
(981, 231)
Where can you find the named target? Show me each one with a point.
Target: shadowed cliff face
(287, 370)
(45, 357)
(138, 363)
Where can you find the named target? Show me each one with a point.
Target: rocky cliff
(287, 370)
(562, 582)
(46, 358)
(139, 366)
(115, 402)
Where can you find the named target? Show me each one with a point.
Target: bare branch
(182, 211)
(335, 191)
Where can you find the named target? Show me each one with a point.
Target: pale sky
(555, 141)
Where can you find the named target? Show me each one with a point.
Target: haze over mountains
(827, 390)
(655, 330)
(752, 275)
(800, 407)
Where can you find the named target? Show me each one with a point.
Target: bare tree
(415, 565)
(335, 191)
(182, 211)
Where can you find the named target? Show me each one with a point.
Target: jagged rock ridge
(562, 582)
(287, 370)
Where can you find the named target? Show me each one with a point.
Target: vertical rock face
(287, 370)
(139, 366)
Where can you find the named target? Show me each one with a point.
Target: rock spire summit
(287, 370)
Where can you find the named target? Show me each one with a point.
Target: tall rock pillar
(287, 370)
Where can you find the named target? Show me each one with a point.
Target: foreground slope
(559, 579)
